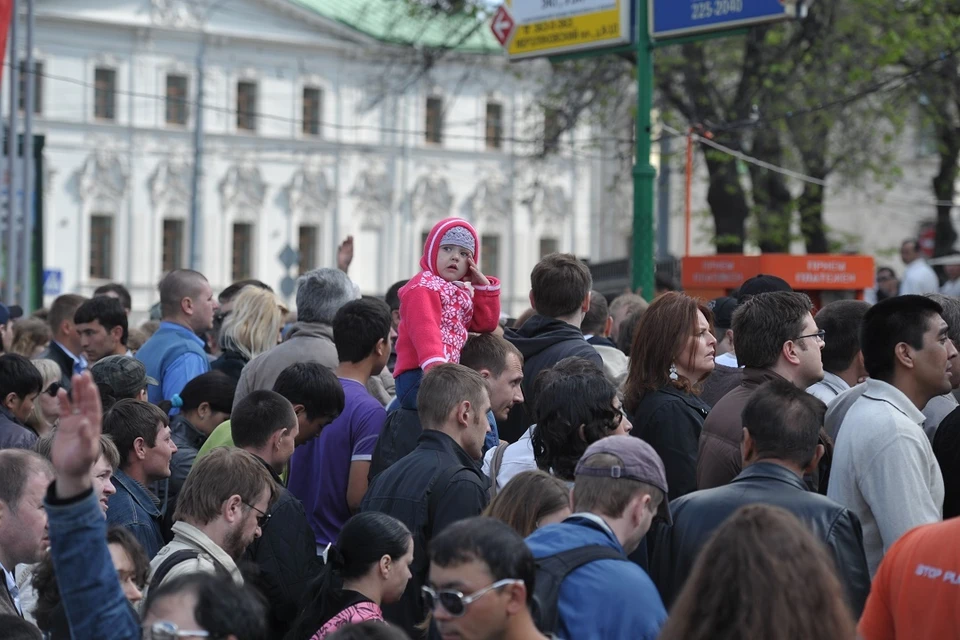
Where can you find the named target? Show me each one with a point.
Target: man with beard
(221, 508)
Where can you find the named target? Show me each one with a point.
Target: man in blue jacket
(174, 355)
(619, 488)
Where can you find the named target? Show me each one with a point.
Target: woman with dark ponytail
(369, 566)
(205, 402)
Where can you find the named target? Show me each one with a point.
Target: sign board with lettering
(676, 18)
(814, 272)
(553, 27)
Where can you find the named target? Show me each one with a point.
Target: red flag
(6, 7)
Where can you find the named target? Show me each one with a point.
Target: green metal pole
(643, 172)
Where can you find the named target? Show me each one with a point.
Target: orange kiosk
(823, 277)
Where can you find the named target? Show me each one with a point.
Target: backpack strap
(495, 463)
(551, 572)
(179, 557)
(170, 562)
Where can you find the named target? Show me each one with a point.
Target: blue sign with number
(674, 18)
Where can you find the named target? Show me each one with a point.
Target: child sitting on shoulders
(436, 306)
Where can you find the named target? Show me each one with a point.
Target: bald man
(174, 355)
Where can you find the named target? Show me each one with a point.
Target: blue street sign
(675, 18)
(52, 282)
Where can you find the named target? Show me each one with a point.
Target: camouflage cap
(124, 376)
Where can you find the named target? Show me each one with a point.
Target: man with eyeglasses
(93, 598)
(884, 468)
(265, 425)
(777, 339)
(221, 509)
(481, 582)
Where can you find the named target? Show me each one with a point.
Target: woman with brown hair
(672, 352)
(532, 499)
(762, 575)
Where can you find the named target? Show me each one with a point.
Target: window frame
(433, 120)
(173, 102)
(105, 96)
(247, 119)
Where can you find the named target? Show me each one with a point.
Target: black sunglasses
(263, 518)
(53, 389)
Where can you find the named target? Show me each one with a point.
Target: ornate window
(490, 254)
(434, 124)
(172, 245)
(309, 244)
(247, 106)
(176, 99)
(105, 93)
(312, 108)
(494, 125)
(242, 266)
(101, 246)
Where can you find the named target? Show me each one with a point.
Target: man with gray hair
(320, 294)
(174, 355)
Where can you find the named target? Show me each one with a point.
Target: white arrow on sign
(502, 25)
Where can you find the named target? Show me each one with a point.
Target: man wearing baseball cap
(120, 377)
(620, 488)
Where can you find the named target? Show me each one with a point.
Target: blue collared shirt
(185, 368)
(80, 363)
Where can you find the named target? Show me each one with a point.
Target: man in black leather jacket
(781, 424)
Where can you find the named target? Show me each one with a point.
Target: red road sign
(502, 25)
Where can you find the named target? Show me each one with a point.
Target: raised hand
(345, 254)
(76, 445)
(476, 276)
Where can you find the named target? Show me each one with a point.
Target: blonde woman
(250, 329)
(46, 409)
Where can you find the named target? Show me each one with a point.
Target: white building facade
(302, 146)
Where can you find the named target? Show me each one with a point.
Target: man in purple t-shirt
(329, 474)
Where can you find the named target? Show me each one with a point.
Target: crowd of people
(422, 466)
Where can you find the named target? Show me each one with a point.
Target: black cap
(762, 284)
(723, 308)
(16, 311)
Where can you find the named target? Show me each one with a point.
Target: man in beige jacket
(220, 511)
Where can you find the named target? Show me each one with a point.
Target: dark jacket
(670, 421)
(404, 492)
(13, 433)
(65, 362)
(600, 341)
(399, 436)
(718, 459)
(543, 342)
(286, 555)
(697, 515)
(188, 440)
(946, 446)
(722, 381)
(231, 363)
